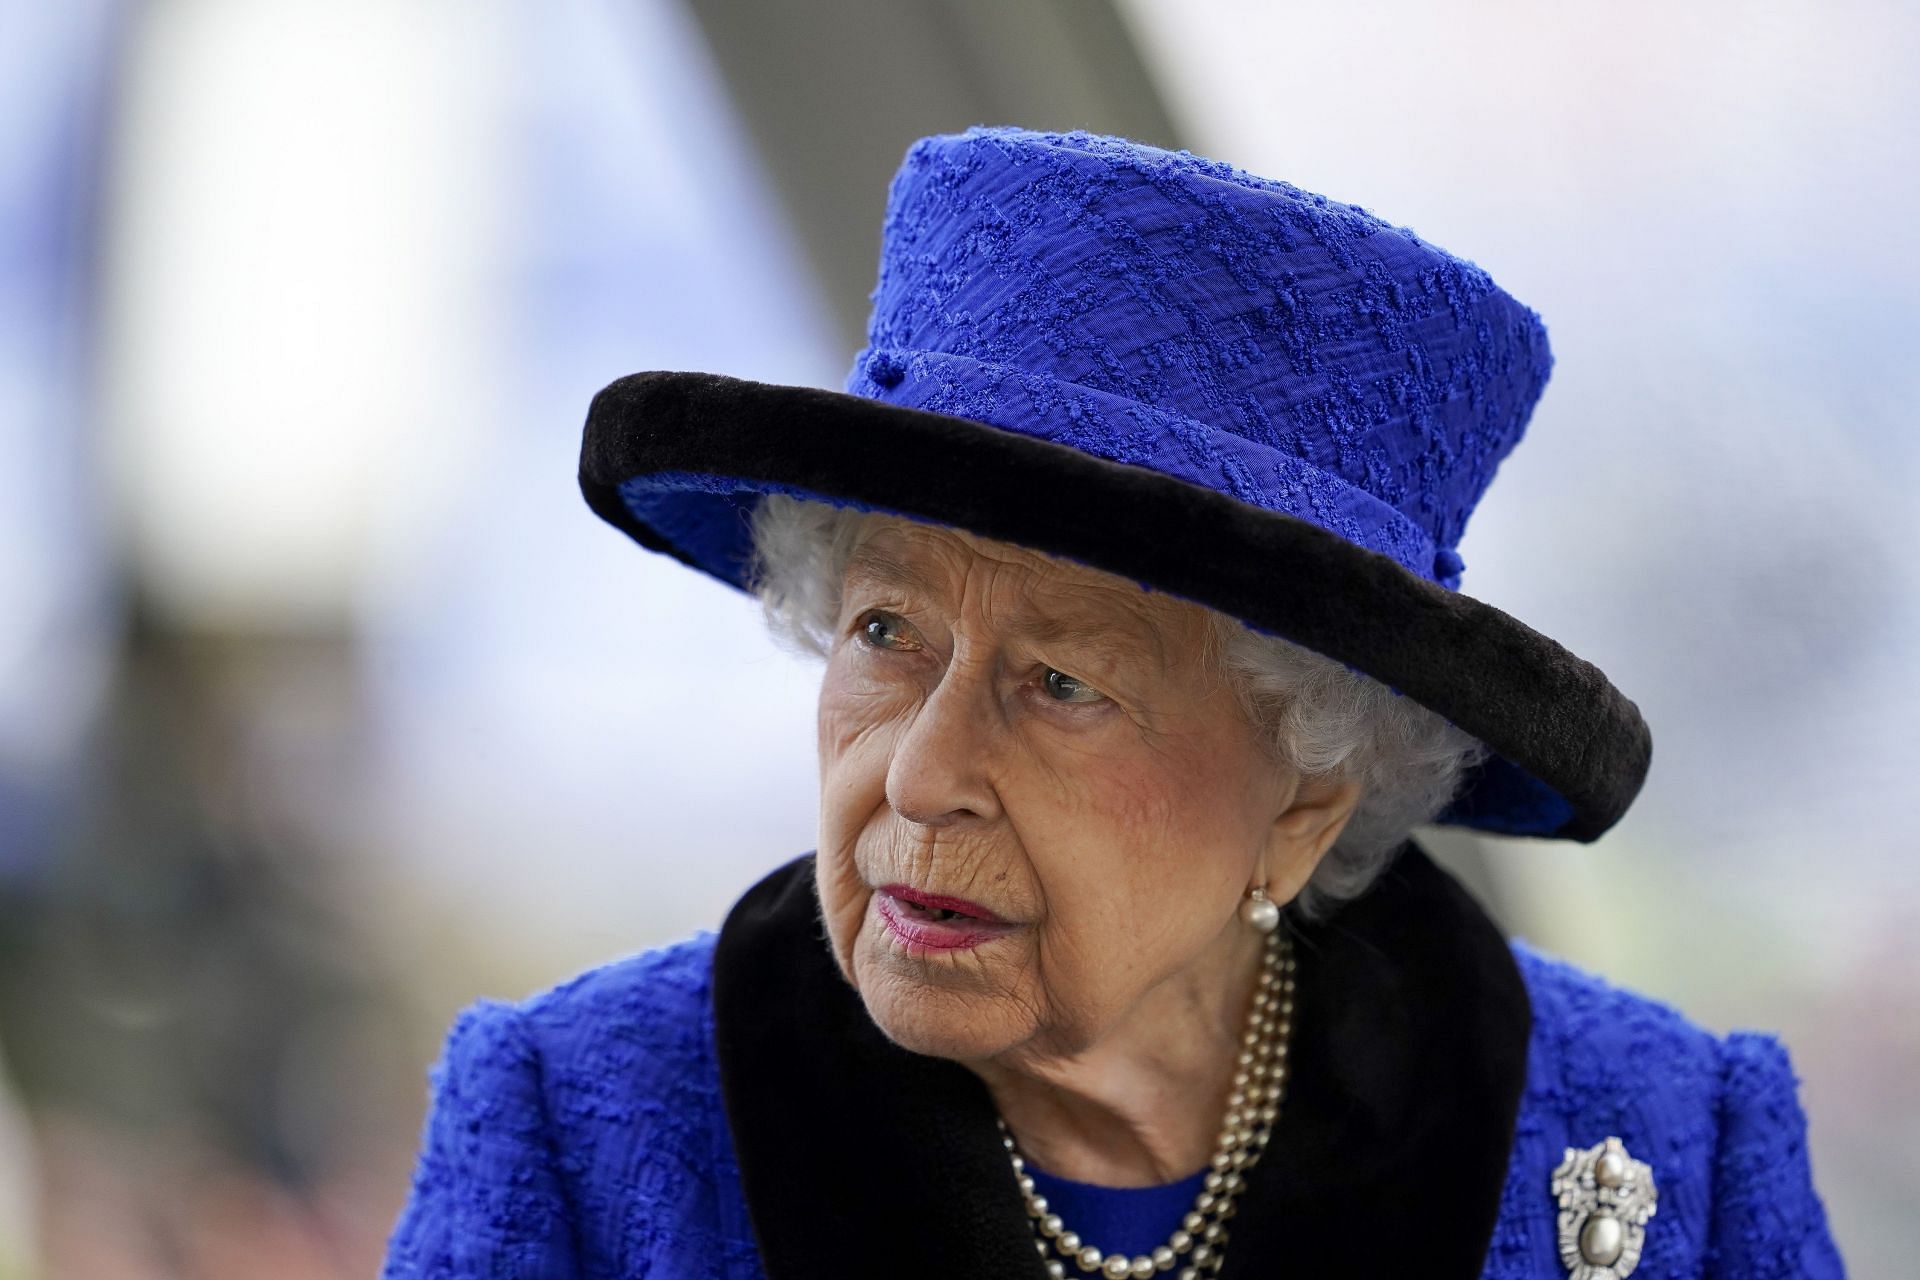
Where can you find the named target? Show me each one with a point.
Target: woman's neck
(1144, 1105)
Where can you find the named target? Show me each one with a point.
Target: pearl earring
(1260, 911)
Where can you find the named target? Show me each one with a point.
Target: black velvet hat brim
(1571, 751)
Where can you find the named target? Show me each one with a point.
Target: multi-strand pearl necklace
(1259, 1083)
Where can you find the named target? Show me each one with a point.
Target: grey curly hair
(1314, 715)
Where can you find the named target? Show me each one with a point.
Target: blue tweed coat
(722, 1108)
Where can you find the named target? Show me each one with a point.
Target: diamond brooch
(1605, 1197)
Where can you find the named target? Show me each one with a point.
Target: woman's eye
(881, 630)
(1062, 687)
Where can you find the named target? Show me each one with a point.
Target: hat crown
(1161, 309)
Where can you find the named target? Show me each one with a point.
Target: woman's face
(1040, 803)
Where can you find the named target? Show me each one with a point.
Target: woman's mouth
(933, 922)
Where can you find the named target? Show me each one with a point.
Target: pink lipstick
(933, 922)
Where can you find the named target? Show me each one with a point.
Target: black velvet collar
(1409, 1057)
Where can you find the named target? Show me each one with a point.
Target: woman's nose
(938, 775)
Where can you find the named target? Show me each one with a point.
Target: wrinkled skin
(1055, 744)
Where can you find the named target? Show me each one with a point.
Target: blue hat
(1218, 385)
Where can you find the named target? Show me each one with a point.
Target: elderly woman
(1129, 551)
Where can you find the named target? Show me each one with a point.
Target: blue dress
(1129, 1220)
(632, 1123)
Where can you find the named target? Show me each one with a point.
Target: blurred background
(326, 706)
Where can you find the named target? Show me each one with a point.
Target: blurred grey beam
(833, 91)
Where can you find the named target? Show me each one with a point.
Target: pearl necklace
(1259, 1083)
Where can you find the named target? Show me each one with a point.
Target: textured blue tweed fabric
(580, 1134)
(1180, 314)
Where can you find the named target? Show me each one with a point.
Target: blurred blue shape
(56, 64)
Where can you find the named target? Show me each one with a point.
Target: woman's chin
(912, 1029)
(938, 1020)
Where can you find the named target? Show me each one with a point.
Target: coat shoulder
(1593, 1024)
(1717, 1119)
(639, 1127)
(581, 1131)
(627, 1067)
(649, 1007)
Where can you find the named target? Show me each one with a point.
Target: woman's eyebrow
(1118, 644)
(1115, 640)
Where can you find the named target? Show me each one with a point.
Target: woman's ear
(1304, 831)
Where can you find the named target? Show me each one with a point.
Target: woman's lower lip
(919, 934)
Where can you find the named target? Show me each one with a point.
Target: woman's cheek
(855, 706)
(854, 759)
(843, 904)
(858, 722)
(1147, 851)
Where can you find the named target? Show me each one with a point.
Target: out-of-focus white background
(326, 706)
